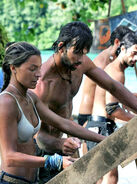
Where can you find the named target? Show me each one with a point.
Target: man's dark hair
(128, 40)
(75, 34)
(119, 33)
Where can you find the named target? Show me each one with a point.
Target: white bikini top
(26, 130)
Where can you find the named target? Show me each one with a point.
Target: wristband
(53, 162)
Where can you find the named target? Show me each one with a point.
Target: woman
(19, 120)
(20, 114)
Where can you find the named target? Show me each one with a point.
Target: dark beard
(66, 63)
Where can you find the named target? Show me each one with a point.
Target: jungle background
(39, 21)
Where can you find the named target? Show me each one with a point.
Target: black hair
(8, 44)
(128, 40)
(75, 34)
(119, 33)
(16, 54)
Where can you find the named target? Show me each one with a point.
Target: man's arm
(65, 125)
(52, 144)
(115, 88)
(127, 108)
(114, 110)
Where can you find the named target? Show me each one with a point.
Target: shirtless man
(102, 60)
(60, 80)
(106, 107)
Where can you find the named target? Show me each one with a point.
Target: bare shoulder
(102, 59)
(8, 106)
(47, 66)
(110, 67)
(98, 57)
(87, 59)
(87, 63)
(33, 96)
(110, 70)
(113, 71)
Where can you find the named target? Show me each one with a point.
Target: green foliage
(116, 7)
(39, 21)
(24, 19)
(3, 42)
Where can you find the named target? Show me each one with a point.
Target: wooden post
(123, 6)
(109, 8)
(106, 156)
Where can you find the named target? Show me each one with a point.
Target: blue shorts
(6, 178)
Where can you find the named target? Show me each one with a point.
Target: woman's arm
(11, 156)
(10, 152)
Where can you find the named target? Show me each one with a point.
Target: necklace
(69, 79)
(19, 92)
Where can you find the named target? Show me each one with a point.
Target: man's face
(131, 56)
(72, 60)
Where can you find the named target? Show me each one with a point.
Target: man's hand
(67, 161)
(70, 145)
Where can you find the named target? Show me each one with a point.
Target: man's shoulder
(47, 62)
(86, 61)
(47, 66)
(110, 67)
(102, 59)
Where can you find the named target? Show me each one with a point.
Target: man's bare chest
(61, 91)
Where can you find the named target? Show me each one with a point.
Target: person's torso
(101, 97)
(59, 93)
(25, 142)
(89, 102)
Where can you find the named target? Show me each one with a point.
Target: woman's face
(29, 72)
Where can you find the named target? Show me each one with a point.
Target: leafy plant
(39, 21)
(3, 41)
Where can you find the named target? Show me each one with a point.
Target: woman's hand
(67, 161)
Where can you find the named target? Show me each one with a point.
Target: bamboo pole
(123, 6)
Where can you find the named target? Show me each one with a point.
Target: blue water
(130, 83)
